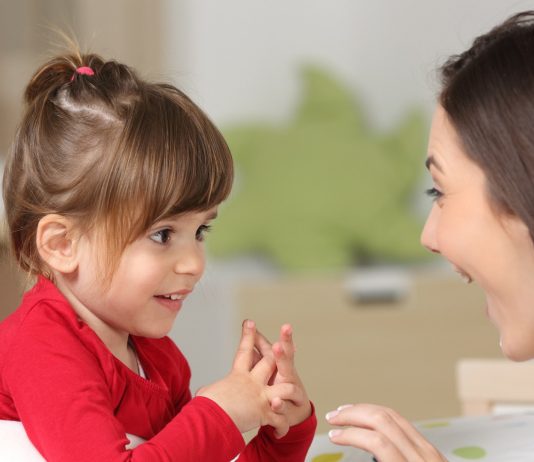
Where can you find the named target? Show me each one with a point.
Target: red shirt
(77, 401)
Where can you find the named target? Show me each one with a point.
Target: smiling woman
(481, 159)
(484, 243)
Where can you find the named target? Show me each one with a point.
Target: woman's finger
(408, 437)
(370, 441)
(389, 424)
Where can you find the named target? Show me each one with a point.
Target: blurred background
(326, 107)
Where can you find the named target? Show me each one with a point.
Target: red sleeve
(293, 447)
(63, 400)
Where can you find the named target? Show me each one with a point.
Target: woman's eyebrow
(431, 160)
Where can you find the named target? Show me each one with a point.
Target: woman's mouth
(463, 275)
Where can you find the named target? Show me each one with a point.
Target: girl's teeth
(174, 297)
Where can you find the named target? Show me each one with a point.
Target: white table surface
(498, 438)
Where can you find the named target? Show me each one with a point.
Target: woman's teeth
(464, 276)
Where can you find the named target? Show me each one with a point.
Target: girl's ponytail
(50, 77)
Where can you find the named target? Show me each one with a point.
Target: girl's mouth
(173, 300)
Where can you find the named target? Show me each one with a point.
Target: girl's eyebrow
(212, 215)
(431, 160)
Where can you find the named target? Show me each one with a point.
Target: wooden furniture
(483, 384)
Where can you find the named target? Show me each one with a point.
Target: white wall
(242, 56)
(239, 59)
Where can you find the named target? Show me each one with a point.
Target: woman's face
(490, 248)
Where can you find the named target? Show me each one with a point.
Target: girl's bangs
(179, 160)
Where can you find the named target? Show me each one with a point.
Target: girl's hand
(382, 432)
(295, 405)
(245, 394)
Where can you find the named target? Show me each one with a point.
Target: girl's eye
(162, 236)
(201, 232)
(434, 193)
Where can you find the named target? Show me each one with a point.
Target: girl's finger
(287, 392)
(244, 356)
(278, 405)
(286, 339)
(280, 424)
(262, 344)
(256, 357)
(284, 362)
(264, 369)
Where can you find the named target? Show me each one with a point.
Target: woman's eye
(201, 232)
(162, 236)
(434, 193)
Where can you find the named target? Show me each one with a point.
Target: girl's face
(491, 248)
(154, 276)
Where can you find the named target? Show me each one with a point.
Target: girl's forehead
(200, 215)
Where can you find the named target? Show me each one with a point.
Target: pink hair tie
(83, 70)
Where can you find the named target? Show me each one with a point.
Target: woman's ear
(57, 244)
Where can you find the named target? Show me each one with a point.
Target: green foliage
(325, 191)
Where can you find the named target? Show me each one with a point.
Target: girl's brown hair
(111, 151)
(488, 94)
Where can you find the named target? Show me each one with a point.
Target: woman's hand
(382, 432)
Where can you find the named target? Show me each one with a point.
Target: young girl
(109, 190)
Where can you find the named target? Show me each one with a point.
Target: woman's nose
(429, 233)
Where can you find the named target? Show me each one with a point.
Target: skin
(262, 388)
(485, 246)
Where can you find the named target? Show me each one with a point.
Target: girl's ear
(57, 244)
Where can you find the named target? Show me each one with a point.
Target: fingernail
(249, 324)
(334, 433)
(331, 414)
(344, 406)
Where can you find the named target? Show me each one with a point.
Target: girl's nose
(429, 233)
(190, 260)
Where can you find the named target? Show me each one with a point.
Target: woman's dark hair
(488, 94)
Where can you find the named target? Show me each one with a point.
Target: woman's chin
(515, 352)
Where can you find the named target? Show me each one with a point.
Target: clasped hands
(263, 387)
